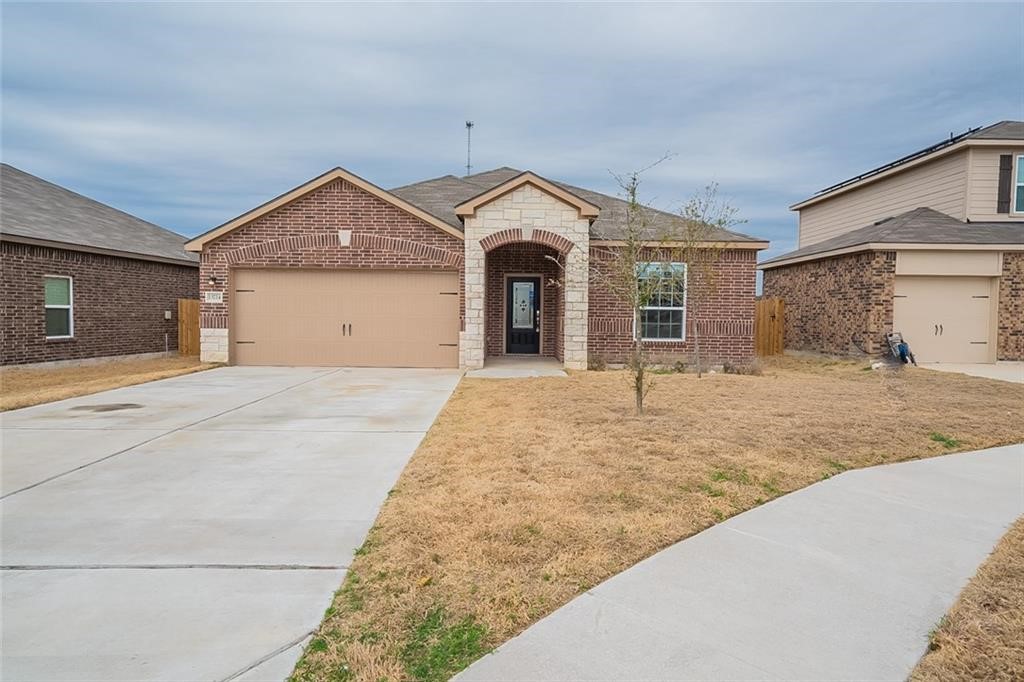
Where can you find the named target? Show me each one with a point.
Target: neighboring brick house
(930, 245)
(446, 273)
(83, 280)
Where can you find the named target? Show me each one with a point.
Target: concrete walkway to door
(195, 528)
(842, 580)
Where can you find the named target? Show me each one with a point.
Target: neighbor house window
(1018, 192)
(60, 318)
(664, 317)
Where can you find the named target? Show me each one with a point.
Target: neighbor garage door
(945, 319)
(382, 318)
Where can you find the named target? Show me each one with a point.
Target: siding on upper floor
(983, 191)
(940, 184)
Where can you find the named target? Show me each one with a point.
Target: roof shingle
(919, 226)
(33, 208)
(439, 197)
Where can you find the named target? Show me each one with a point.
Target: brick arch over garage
(518, 234)
(358, 240)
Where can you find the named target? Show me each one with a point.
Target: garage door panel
(345, 318)
(945, 319)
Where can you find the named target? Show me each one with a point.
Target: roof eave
(889, 246)
(196, 244)
(710, 244)
(468, 207)
(70, 246)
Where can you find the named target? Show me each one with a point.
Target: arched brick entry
(518, 234)
(521, 258)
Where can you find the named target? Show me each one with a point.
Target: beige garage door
(946, 319)
(350, 318)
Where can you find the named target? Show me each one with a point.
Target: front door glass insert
(522, 305)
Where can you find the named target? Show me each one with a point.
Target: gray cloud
(190, 114)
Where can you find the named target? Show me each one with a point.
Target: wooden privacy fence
(188, 326)
(768, 318)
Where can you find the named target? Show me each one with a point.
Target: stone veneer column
(528, 208)
(577, 288)
(471, 339)
(213, 344)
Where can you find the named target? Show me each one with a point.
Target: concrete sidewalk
(839, 581)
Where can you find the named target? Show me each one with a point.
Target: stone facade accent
(841, 305)
(119, 304)
(1010, 344)
(533, 212)
(722, 314)
(311, 232)
(213, 344)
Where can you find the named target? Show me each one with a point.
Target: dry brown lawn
(982, 636)
(527, 492)
(21, 387)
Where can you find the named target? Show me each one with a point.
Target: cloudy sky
(187, 115)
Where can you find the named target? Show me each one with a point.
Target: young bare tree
(706, 218)
(662, 270)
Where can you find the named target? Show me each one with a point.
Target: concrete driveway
(1003, 371)
(195, 528)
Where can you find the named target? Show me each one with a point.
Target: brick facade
(839, 305)
(523, 258)
(510, 235)
(844, 305)
(723, 312)
(305, 233)
(119, 304)
(1011, 308)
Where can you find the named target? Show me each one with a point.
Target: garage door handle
(941, 330)
(936, 332)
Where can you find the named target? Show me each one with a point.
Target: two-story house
(930, 245)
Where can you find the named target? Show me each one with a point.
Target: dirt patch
(982, 636)
(22, 387)
(526, 492)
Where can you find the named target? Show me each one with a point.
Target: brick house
(930, 245)
(81, 279)
(446, 273)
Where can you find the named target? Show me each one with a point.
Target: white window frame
(70, 307)
(686, 288)
(1016, 184)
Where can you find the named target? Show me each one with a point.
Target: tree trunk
(638, 376)
(696, 349)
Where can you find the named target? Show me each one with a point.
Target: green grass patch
(947, 441)
(711, 491)
(834, 467)
(720, 475)
(439, 646)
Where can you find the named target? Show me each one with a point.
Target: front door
(522, 320)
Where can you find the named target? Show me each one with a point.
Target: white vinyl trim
(686, 283)
(1017, 184)
(70, 307)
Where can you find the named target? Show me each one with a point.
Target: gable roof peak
(586, 208)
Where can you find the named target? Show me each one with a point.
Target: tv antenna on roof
(469, 136)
